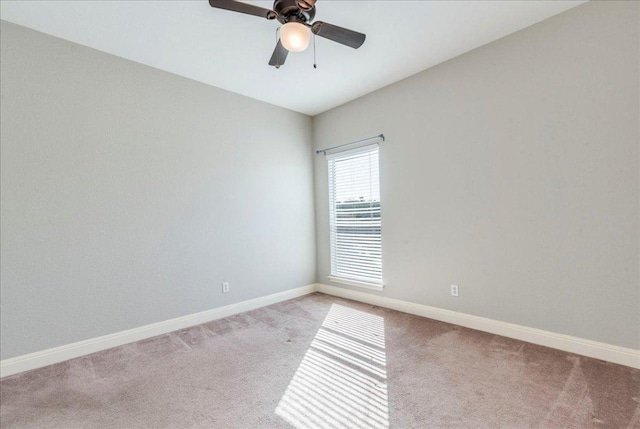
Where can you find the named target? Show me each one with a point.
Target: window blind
(354, 218)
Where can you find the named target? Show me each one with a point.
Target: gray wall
(512, 171)
(129, 195)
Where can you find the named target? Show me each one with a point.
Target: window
(354, 217)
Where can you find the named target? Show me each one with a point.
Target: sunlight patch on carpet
(342, 379)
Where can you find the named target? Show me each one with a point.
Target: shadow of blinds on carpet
(342, 379)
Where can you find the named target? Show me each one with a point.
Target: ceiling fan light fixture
(295, 36)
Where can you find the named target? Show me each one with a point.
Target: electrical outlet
(454, 290)
(225, 287)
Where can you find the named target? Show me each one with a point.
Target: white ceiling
(231, 50)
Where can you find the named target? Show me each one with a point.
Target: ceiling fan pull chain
(315, 65)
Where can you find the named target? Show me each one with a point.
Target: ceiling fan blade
(279, 55)
(237, 6)
(338, 34)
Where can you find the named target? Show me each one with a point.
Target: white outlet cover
(454, 290)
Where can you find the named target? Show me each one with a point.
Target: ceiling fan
(296, 17)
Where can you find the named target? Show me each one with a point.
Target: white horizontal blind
(354, 218)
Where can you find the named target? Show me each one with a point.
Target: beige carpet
(324, 362)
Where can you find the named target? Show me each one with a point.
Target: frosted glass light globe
(295, 36)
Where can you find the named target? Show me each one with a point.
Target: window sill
(365, 285)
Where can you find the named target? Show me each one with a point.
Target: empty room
(319, 214)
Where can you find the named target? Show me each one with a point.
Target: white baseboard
(567, 343)
(593, 349)
(70, 351)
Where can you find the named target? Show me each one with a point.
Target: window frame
(334, 277)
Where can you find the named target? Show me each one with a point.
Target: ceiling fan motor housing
(294, 10)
